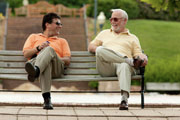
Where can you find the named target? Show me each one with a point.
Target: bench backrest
(82, 63)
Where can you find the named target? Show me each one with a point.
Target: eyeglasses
(58, 23)
(114, 19)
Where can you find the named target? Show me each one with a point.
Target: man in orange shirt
(47, 55)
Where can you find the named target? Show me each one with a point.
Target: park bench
(82, 68)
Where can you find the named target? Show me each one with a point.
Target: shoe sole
(31, 72)
(48, 108)
(123, 108)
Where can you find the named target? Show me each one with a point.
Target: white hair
(124, 13)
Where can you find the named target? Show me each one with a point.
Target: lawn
(160, 41)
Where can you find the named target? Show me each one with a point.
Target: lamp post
(95, 15)
(101, 20)
(25, 2)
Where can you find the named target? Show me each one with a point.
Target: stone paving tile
(61, 111)
(9, 110)
(145, 112)
(169, 111)
(8, 117)
(122, 118)
(31, 110)
(174, 118)
(61, 118)
(116, 112)
(150, 118)
(92, 118)
(86, 108)
(88, 111)
(30, 117)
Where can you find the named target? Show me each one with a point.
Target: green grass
(161, 42)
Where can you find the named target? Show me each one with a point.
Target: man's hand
(92, 48)
(144, 58)
(43, 45)
(66, 60)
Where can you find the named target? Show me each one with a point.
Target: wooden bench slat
(20, 53)
(83, 59)
(11, 52)
(68, 78)
(82, 65)
(21, 58)
(12, 64)
(81, 71)
(22, 65)
(12, 71)
(81, 53)
(67, 71)
(12, 58)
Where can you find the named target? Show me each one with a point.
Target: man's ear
(125, 21)
(47, 25)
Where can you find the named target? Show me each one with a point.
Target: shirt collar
(125, 32)
(54, 37)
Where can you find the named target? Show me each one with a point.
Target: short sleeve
(29, 42)
(136, 47)
(66, 49)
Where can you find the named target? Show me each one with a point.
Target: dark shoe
(33, 72)
(137, 62)
(47, 104)
(123, 105)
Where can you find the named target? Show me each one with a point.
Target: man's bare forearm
(30, 52)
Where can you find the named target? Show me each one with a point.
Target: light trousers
(110, 63)
(50, 65)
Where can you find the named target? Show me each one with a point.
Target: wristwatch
(38, 48)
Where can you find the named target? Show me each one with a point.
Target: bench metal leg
(142, 93)
(142, 70)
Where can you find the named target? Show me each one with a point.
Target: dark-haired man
(115, 49)
(47, 54)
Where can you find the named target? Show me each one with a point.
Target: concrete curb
(91, 105)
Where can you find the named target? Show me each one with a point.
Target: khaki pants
(50, 65)
(110, 63)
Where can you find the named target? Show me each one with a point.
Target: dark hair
(48, 19)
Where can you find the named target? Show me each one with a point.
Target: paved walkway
(87, 113)
(62, 99)
(88, 107)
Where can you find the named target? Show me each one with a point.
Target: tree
(170, 5)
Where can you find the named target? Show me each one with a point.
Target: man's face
(54, 27)
(117, 22)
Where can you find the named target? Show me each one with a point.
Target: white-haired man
(118, 53)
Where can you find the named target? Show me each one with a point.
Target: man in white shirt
(118, 53)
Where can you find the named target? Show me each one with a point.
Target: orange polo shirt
(60, 45)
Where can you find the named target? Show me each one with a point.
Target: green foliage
(172, 5)
(160, 41)
(130, 6)
(70, 3)
(33, 1)
(93, 84)
(147, 12)
(14, 4)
